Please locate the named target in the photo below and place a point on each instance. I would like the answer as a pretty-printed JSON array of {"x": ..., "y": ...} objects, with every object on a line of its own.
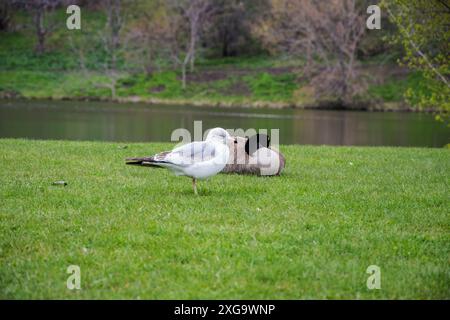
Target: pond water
[{"x": 144, "y": 123}]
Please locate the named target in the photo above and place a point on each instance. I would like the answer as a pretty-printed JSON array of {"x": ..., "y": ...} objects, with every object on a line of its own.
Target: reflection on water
[{"x": 138, "y": 122}]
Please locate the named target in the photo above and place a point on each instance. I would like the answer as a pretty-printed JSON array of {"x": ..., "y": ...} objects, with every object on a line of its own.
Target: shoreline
[{"x": 381, "y": 107}]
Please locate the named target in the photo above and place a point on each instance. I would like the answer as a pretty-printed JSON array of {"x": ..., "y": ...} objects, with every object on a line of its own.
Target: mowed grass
[{"x": 142, "y": 233}]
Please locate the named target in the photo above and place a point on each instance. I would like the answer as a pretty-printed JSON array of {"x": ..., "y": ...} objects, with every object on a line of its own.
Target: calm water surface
[{"x": 139, "y": 122}]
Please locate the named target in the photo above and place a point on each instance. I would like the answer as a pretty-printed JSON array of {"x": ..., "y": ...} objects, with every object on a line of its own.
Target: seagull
[{"x": 198, "y": 160}]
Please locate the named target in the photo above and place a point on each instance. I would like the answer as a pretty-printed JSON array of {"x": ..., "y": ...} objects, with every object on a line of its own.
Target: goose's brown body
[{"x": 242, "y": 163}]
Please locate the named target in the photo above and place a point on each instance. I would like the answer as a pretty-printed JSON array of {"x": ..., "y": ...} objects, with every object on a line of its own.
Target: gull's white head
[{"x": 218, "y": 134}]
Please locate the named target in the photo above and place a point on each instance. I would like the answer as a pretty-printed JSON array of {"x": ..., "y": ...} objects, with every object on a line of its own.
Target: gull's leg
[{"x": 194, "y": 185}]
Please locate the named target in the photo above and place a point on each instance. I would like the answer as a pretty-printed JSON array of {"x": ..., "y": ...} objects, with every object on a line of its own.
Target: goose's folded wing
[{"x": 191, "y": 153}]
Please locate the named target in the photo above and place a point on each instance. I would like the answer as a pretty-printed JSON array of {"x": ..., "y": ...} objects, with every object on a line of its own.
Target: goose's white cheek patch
[{"x": 268, "y": 161}]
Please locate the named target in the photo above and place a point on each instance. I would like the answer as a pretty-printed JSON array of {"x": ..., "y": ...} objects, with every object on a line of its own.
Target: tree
[
  {"x": 229, "y": 30},
  {"x": 104, "y": 49},
  {"x": 424, "y": 31},
  {"x": 113, "y": 46},
  {"x": 40, "y": 10},
  {"x": 186, "y": 19},
  {"x": 326, "y": 35},
  {"x": 5, "y": 14},
  {"x": 147, "y": 35}
]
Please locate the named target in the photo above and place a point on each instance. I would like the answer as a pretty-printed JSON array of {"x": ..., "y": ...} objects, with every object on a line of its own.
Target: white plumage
[{"x": 198, "y": 160}]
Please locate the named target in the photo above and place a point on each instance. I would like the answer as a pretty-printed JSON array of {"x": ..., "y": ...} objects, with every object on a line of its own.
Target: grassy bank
[
  {"x": 141, "y": 233},
  {"x": 241, "y": 81},
  {"x": 234, "y": 87}
]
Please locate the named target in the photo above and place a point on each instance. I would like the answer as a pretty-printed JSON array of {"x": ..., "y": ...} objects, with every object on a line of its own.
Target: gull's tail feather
[
  {"x": 147, "y": 161},
  {"x": 152, "y": 161}
]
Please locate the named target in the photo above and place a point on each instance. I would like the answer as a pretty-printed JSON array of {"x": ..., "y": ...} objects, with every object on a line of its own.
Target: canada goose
[
  {"x": 253, "y": 155},
  {"x": 198, "y": 160}
]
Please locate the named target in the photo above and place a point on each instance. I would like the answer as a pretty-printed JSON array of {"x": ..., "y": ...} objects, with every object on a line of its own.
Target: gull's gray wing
[{"x": 194, "y": 152}]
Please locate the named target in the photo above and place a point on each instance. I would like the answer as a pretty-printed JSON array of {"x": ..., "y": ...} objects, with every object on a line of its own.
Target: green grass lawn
[{"x": 142, "y": 233}]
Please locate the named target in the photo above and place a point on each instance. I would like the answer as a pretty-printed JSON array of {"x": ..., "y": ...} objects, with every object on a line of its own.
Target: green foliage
[
  {"x": 160, "y": 84},
  {"x": 267, "y": 86},
  {"x": 63, "y": 46},
  {"x": 142, "y": 233},
  {"x": 16, "y": 52},
  {"x": 395, "y": 90},
  {"x": 41, "y": 84},
  {"x": 250, "y": 62},
  {"x": 423, "y": 32}
]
